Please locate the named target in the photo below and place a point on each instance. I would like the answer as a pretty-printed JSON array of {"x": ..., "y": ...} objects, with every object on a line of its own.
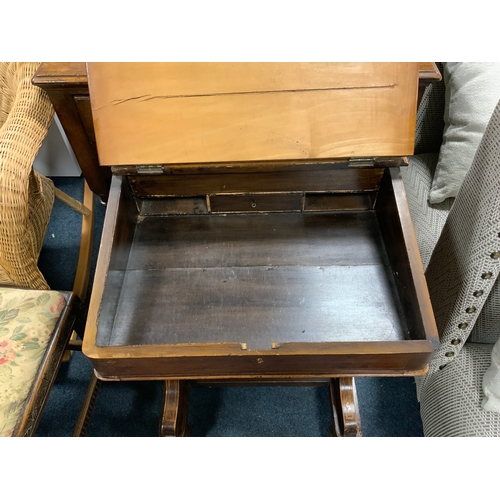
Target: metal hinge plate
[
  {"x": 361, "y": 162},
  {"x": 149, "y": 169}
]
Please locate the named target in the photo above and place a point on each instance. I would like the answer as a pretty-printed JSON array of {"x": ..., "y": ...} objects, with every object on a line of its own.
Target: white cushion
[
  {"x": 491, "y": 382},
  {"x": 472, "y": 92}
]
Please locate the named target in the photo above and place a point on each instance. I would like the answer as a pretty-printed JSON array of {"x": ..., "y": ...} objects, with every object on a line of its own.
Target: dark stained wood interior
[
  {"x": 400, "y": 240},
  {"x": 256, "y": 280},
  {"x": 303, "y": 283},
  {"x": 313, "y": 180}
]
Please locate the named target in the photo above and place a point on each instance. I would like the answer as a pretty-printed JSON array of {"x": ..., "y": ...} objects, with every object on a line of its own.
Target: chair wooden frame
[{"x": 64, "y": 337}]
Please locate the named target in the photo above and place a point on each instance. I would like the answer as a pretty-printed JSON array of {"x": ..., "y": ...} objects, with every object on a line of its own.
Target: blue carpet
[{"x": 388, "y": 406}]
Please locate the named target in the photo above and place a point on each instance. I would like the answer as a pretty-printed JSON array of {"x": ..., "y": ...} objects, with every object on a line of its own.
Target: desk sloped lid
[{"x": 182, "y": 113}]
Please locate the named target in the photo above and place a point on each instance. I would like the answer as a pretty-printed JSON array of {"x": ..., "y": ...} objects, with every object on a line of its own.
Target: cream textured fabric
[
  {"x": 450, "y": 400},
  {"x": 472, "y": 92},
  {"x": 451, "y": 392},
  {"x": 466, "y": 261},
  {"x": 491, "y": 382},
  {"x": 26, "y": 197},
  {"x": 487, "y": 327},
  {"x": 450, "y": 397}
]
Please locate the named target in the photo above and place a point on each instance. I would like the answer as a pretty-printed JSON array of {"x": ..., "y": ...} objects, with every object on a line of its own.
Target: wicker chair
[
  {"x": 35, "y": 323},
  {"x": 26, "y": 197},
  {"x": 459, "y": 241}
]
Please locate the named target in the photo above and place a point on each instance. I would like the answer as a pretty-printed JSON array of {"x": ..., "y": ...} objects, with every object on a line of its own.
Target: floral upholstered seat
[{"x": 28, "y": 320}]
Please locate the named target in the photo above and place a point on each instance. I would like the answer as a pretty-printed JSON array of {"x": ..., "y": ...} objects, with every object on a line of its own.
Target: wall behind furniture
[{"x": 56, "y": 157}]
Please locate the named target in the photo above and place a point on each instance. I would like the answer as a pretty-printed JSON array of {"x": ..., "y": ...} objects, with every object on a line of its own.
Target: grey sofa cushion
[{"x": 472, "y": 93}]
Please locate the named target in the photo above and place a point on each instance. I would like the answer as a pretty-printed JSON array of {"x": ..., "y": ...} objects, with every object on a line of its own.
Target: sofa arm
[{"x": 466, "y": 261}]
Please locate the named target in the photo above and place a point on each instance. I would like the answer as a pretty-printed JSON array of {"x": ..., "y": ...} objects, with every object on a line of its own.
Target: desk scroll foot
[
  {"x": 346, "y": 417},
  {"x": 175, "y": 409}
]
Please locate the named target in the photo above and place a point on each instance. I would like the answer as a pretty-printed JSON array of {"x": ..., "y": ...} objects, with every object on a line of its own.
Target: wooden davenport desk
[{"x": 257, "y": 229}]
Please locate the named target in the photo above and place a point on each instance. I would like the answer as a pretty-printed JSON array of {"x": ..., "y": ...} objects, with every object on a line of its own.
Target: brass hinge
[
  {"x": 361, "y": 162},
  {"x": 149, "y": 169}
]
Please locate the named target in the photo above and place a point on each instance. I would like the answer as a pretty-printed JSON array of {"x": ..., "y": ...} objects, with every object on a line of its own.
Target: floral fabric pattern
[{"x": 27, "y": 320}]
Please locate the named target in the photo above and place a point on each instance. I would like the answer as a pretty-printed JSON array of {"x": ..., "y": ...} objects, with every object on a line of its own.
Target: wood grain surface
[{"x": 147, "y": 113}]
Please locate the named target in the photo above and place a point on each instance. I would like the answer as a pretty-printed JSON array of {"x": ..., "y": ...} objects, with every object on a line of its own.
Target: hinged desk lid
[{"x": 182, "y": 113}]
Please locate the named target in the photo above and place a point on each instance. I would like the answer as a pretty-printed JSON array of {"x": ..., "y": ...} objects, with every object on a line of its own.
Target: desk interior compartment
[{"x": 222, "y": 277}]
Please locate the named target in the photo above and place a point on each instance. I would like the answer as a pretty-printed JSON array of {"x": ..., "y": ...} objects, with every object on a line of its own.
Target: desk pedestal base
[
  {"x": 175, "y": 409},
  {"x": 346, "y": 416}
]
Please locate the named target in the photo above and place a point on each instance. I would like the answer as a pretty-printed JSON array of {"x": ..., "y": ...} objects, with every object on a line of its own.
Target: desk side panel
[
  {"x": 117, "y": 235},
  {"x": 401, "y": 244}
]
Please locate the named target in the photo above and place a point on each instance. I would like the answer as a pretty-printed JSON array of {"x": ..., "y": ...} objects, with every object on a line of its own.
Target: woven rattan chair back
[{"x": 26, "y": 197}]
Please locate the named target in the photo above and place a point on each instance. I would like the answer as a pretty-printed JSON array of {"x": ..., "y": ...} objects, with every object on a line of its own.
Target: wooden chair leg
[
  {"x": 81, "y": 282},
  {"x": 87, "y": 407},
  {"x": 175, "y": 409},
  {"x": 346, "y": 417}
]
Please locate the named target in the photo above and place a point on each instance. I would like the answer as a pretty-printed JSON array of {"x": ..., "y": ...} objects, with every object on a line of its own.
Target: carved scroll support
[
  {"x": 346, "y": 416},
  {"x": 175, "y": 409}
]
